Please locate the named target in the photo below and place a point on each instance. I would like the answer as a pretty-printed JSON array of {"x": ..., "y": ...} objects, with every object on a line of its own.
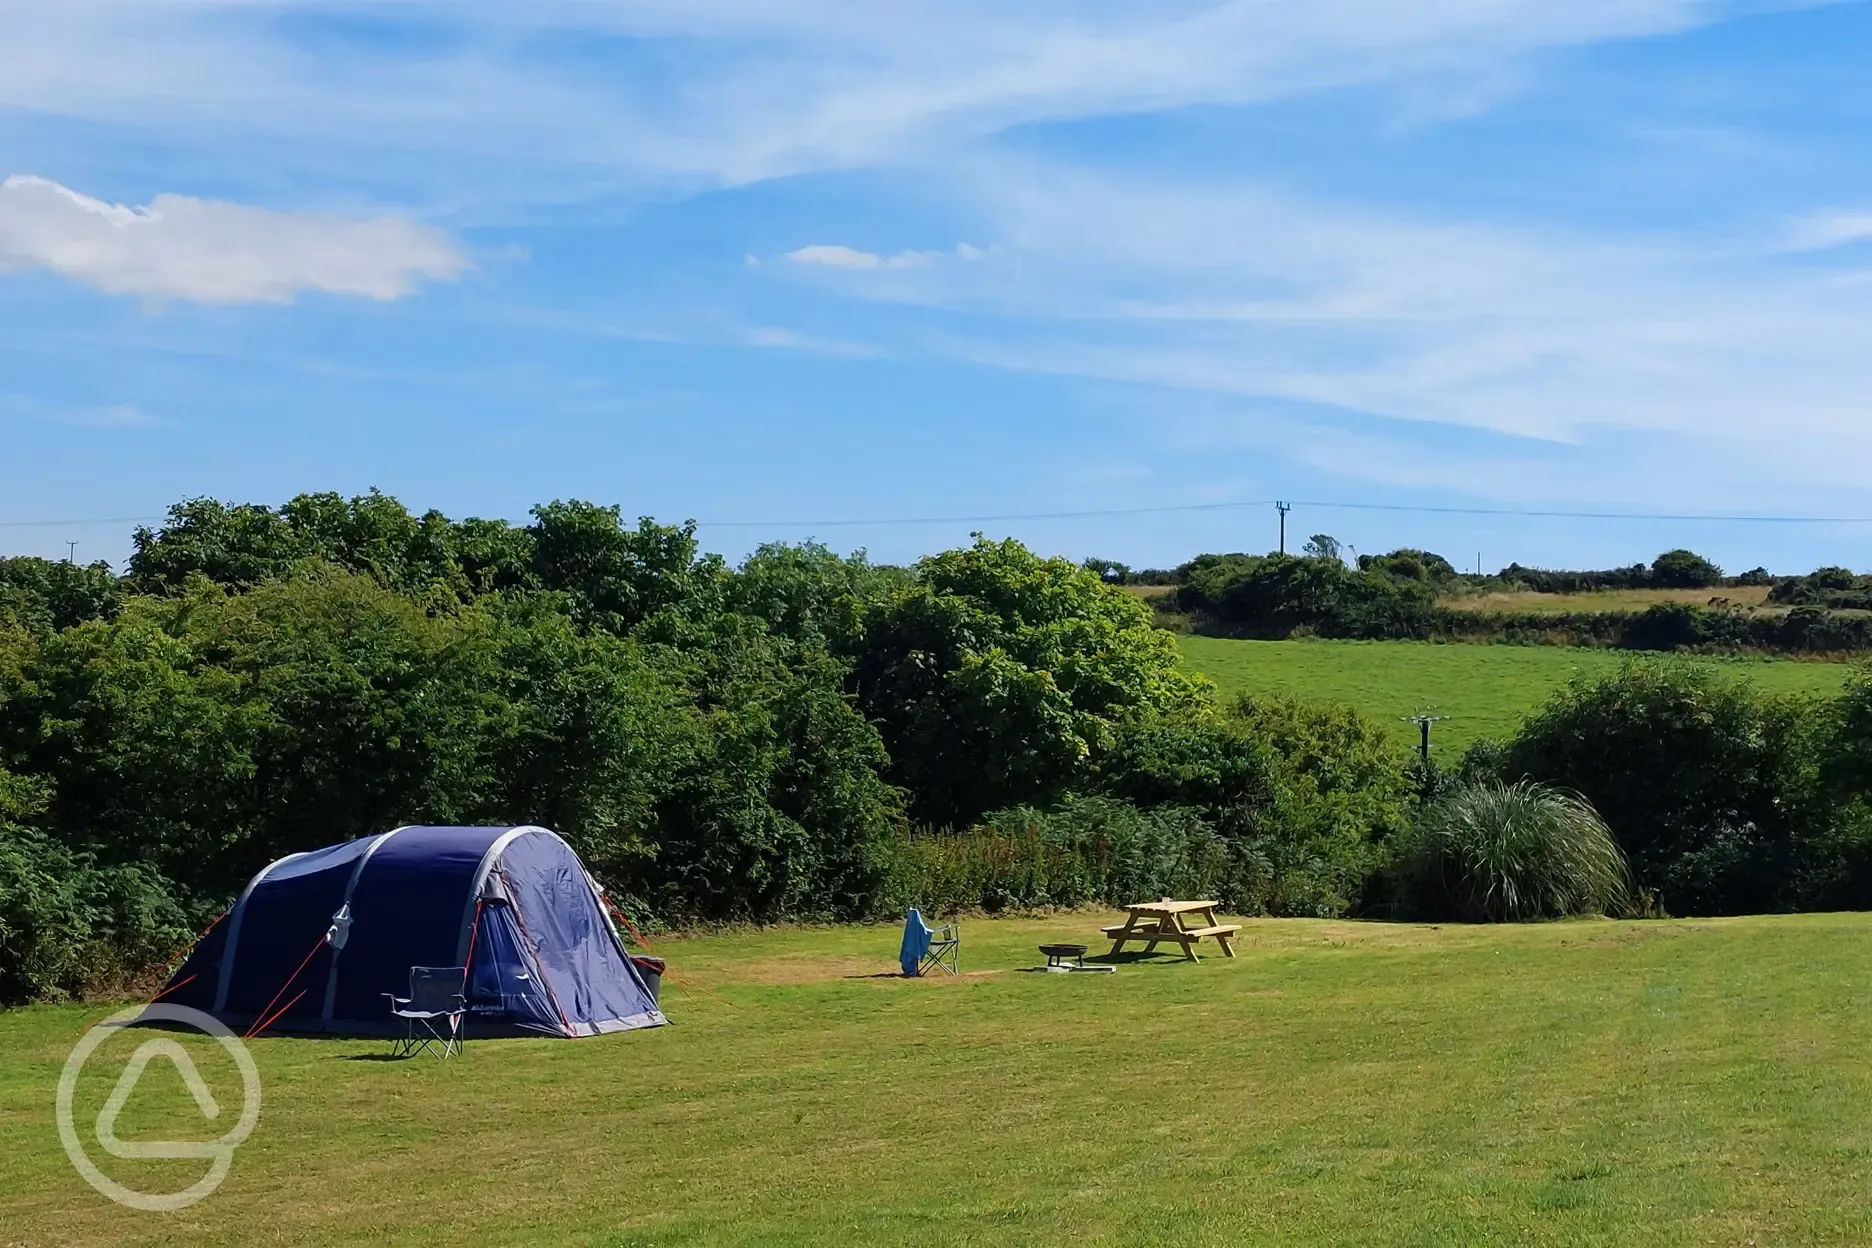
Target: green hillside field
[
  {"x": 1485, "y": 690},
  {"x": 1665, "y": 1083}
]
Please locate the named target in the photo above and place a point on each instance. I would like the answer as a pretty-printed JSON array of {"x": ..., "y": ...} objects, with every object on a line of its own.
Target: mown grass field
[
  {"x": 1664, "y": 1083},
  {"x": 1485, "y": 690}
]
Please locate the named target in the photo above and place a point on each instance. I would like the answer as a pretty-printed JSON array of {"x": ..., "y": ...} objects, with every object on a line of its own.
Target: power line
[
  {"x": 1509, "y": 512},
  {"x": 54, "y": 524},
  {"x": 1162, "y": 509},
  {"x": 1698, "y": 517},
  {"x": 1018, "y": 515}
]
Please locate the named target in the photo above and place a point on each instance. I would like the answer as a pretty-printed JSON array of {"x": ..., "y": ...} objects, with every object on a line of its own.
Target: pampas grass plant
[{"x": 1506, "y": 853}]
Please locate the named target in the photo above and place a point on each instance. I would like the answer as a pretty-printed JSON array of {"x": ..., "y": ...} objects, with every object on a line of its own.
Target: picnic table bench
[{"x": 1163, "y": 922}]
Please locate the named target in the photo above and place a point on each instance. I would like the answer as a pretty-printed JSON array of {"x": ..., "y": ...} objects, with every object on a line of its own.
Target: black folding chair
[{"x": 432, "y": 1013}]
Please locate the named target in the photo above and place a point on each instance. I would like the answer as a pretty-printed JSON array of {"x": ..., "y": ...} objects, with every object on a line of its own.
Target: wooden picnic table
[{"x": 1164, "y": 922}]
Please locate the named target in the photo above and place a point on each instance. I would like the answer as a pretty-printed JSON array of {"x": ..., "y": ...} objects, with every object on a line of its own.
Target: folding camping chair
[
  {"x": 925, "y": 946},
  {"x": 945, "y": 944},
  {"x": 437, "y": 997}
]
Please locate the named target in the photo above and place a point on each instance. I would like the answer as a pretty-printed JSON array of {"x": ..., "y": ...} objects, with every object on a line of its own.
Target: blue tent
[{"x": 319, "y": 937}]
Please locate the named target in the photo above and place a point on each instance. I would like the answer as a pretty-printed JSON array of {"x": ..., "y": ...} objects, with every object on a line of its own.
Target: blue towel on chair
[{"x": 916, "y": 943}]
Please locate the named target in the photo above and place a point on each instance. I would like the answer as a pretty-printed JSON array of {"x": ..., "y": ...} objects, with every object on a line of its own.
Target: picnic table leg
[
  {"x": 1118, "y": 941},
  {"x": 1222, "y": 938},
  {"x": 1189, "y": 946}
]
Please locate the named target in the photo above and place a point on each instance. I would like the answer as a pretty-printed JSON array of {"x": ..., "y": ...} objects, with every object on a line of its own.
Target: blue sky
[{"x": 759, "y": 263}]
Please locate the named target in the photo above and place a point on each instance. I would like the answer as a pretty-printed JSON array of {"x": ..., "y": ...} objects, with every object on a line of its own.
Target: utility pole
[
  {"x": 71, "y": 549},
  {"x": 1423, "y": 723},
  {"x": 1283, "y": 508}
]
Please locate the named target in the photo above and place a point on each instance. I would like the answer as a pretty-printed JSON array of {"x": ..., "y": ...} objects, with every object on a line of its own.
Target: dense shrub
[
  {"x": 1307, "y": 797},
  {"x": 66, "y": 926},
  {"x": 1395, "y": 597},
  {"x": 1674, "y": 569},
  {"x": 777, "y": 806},
  {"x": 1709, "y": 786},
  {"x": 1408, "y": 564},
  {"x": 1503, "y": 853},
  {"x": 1114, "y": 573},
  {"x": 1545, "y": 581},
  {"x": 1271, "y": 807},
  {"x": 1088, "y": 850},
  {"x": 208, "y": 733},
  {"x": 1279, "y": 594},
  {"x": 754, "y": 742},
  {"x": 1402, "y": 596},
  {"x": 1837, "y": 588}
]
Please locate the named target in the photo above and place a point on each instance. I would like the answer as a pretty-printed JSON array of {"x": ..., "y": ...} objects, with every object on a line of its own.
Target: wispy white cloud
[
  {"x": 205, "y": 251},
  {"x": 1232, "y": 288},
  {"x": 750, "y": 88},
  {"x": 839, "y": 256},
  {"x": 816, "y": 344},
  {"x": 95, "y": 416},
  {"x": 1251, "y": 291},
  {"x": 835, "y": 256},
  {"x": 1824, "y": 230}
]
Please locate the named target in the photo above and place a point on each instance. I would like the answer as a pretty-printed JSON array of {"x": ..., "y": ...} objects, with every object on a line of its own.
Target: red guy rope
[
  {"x": 262, "y": 1026},
  {"x": 288, "y": 984}
]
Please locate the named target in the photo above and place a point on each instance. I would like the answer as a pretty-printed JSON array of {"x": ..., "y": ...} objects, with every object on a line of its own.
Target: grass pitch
[
  {"x": 1664, "y": 1083},
  {"x": 1486, "y": 690}
]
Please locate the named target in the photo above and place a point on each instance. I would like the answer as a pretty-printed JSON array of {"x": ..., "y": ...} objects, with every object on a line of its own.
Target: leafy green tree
[
  {"x": 45, "y": 595},
  {"x": 208, "y": 733},
  {"x": 808, "y": 593},
  {"x": 999, "y": 678},
  {"x": 1684, "y": 569},
  {"x": 781, "y": 807},
  {"x": 1322, "y": 546},
  {"x": 621, "y": 579},
  {"x": 245, "y": 545},
  {"x": 239, "y": 545},
  {"x": 490, "y": 556}
]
